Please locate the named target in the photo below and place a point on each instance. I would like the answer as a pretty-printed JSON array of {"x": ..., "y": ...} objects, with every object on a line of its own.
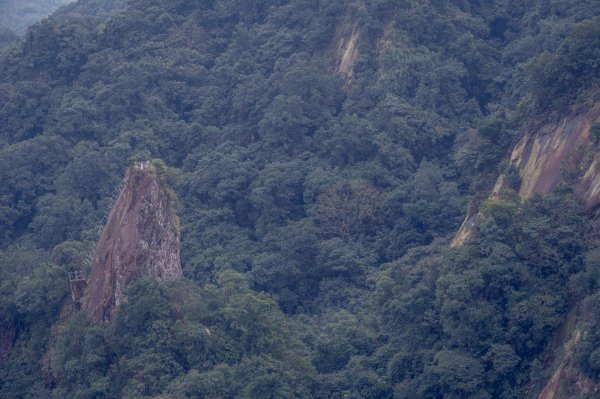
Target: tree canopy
[{"x": 316, "y": 207}]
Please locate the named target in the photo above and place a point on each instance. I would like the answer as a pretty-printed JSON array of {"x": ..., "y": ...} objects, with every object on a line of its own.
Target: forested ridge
[{"x": 316, "y": 207}]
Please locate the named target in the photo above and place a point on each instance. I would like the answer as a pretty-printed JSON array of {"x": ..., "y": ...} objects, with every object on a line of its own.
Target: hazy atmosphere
[{"x": 389, "y": 199}]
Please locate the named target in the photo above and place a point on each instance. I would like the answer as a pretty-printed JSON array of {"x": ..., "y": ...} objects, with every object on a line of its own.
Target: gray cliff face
[{"x": 140, "y": 239}]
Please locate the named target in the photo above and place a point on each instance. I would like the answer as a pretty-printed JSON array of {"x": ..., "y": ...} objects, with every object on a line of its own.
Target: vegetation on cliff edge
[{"x": 315, "y": 210}]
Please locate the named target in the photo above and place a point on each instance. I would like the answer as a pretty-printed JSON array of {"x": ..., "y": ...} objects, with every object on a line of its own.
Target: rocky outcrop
[
  {"x": 467, "y": 228},
  {"x": 557, "y": 152},
  {"x": 343, "y": 50},
  {"x": 347, "y": 51},
  {"x": 140, "y": 239},
  {"x": 548, "y": 156},
  {"x": 567, "y": 380}
]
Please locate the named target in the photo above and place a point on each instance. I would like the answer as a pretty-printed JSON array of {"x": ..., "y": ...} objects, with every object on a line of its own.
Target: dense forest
[{"x": 318, "y": 191}]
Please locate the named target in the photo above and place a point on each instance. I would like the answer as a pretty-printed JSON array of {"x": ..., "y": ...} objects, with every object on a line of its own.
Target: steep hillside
[
  {"x": 546, "y": 156},
  {"x": 327, "y": 151}
]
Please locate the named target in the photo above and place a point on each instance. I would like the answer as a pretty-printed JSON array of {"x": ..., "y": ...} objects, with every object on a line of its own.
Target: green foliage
[
  {"x": 315, "y": 208},
  {"x": 495, "y": 302},
  {"x": 167, "y": 175},
  {"x": 559, "y": 77},
  {"x": 169, "y": 335},
  {"x": 501, "y": 210},
  {"x": 424, "y": 207}
]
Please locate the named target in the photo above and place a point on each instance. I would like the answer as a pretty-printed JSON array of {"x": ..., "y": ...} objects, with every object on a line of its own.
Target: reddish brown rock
[
  {"x": 557, "y": 152},
  {"x": 567, "y": 380},
  {"x": 140, "y": 239}
]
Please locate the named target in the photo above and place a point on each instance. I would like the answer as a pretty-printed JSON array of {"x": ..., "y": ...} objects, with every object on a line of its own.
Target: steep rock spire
[{"x": 140, "y": 239}]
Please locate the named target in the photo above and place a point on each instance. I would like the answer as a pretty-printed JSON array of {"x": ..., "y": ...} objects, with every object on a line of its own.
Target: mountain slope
[{"x": 328, "y": 152}]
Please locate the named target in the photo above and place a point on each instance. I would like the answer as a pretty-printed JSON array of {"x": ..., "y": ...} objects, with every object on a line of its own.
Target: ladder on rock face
[
  {"x": 77, "y": 284},
  {"x": 77, "y": 278},
  {"x": 77, "y": 275}
]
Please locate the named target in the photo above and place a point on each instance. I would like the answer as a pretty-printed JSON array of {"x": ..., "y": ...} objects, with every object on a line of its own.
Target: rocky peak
[{"x": 140, "y": 239}]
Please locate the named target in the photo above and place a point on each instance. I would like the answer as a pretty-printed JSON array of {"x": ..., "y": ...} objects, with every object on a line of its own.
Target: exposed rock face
[
  {"x": 466, "y": 230},
  {"x": 348, "y": 52},
  {"x": 545, "y": 156},
  {"x": 568, "y": 381},
  {"x": 140, "y": 239},
  {"x": 343, "y": 50},
  {"x": 557, "y": 152}
]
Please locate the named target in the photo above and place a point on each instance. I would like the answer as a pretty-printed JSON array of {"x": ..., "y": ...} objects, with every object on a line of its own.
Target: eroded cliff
[
  {"x": 140, "y": 239},
  {"x": 559, "y": 151},
  {"x": 347, "y": 53},
  {"x": 567, "y": 380}
]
